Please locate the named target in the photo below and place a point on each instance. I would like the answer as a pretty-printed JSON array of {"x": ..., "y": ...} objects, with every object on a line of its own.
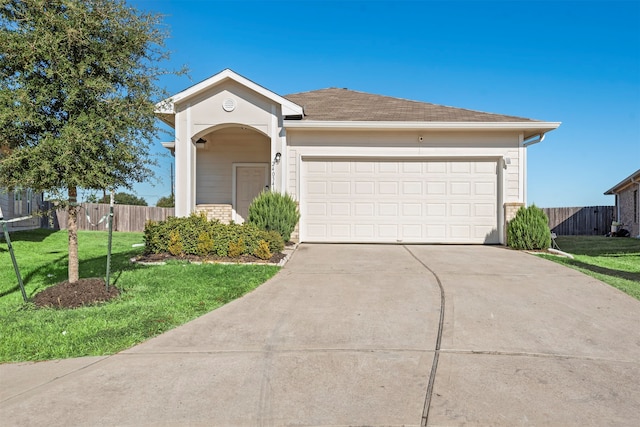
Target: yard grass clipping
[{"x": 153, "y": 299}]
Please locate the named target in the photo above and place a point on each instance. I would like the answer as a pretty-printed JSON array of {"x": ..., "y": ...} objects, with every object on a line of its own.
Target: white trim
[
  {"x": 167, "y": 106},
  {"x": 190, "y": 147},
  {"x": 273, "y": 181},
  {"x": 284, "y": 163},
  {"x": 501, "y": 183},
  {"x": 522, "y": 169},
  {"x": 530, "y": 127},
  {"x": 234, "y": 167}
]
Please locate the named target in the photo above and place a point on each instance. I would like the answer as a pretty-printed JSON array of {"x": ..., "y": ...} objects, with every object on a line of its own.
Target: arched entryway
[{"x": 232, "y": 167}]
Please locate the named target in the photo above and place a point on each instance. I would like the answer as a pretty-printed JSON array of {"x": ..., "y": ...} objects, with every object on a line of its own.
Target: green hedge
[
  {"x": 195, "y": 235},
  {"x": 529, "y": 229}
]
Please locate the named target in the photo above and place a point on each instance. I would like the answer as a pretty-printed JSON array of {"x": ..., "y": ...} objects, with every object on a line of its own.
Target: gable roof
[
  {"x": 165, "y": 109},
  {"x": 344, "y": 109},
  {"x": 344, "y": 104},
  {"x": 634, "y": 178}
]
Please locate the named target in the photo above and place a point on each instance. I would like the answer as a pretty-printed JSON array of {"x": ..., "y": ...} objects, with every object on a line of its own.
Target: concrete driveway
[{"x": 368, "y": 335}]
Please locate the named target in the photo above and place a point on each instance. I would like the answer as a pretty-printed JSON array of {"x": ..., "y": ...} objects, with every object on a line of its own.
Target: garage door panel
[
  {"x": 460, "y": 167},
  {"x": 407, "y": 201},
  {"x": 317, "y": 188},
  {"x": 388, "y": 209},
  {"x": 340, "y": 209},
  {"x": 387, "y": 167},
  {"x": 485, "y": 188},
  {"x": 484, "y": 210},
  {"x": 412, "y": 187},
  {"x": 388, "y": 187},
  {"x": 460, "y": 209},
  {"x": 365, "y": 188},
  {"x": 364, "y": 209},
  {"x": 460, "y": 188}
]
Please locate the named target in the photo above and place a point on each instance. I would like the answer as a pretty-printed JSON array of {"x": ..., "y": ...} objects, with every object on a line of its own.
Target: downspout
[{"x": 533, "y": 140}]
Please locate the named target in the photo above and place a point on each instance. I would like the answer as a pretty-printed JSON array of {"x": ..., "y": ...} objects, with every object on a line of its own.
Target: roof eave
[
  {"x": 634, "y": 178},
  {"x": 529, "y": 128}
]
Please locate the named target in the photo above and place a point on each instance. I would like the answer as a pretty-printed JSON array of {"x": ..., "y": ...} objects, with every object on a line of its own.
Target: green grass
[
  {"x": 153, "y": 299},
  {"x": 613, "y": 260}
]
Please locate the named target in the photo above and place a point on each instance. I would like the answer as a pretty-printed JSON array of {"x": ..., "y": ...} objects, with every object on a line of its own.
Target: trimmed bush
[
  {"x": 263, "y": 251},
  {"x": 194, "y": 235},
  {"x": 274, "y": 211},
  {"x": 175, "y": 243},
  {"x": 205, "y": 244},
  {"x": 236, "y": 248},
  {"x": 529, "y": 229}
]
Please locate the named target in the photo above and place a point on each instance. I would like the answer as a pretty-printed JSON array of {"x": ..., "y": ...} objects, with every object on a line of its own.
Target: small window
[{"x": 635, "y": 206}]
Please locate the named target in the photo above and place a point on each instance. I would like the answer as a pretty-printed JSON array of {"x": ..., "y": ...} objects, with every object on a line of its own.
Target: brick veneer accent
[
  {"x": 295, "y": 235},
  {"x": 510, "y": 210},
  {"x": 628, "y": 213},
  {"x": 222, "y": 213}
]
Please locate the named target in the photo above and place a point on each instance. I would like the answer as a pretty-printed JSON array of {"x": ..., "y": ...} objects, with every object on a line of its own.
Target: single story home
[
  {"x": 20, "y": 204},
  {"x": 627, "y": 201},
  {"x": 363, "y": 167}
]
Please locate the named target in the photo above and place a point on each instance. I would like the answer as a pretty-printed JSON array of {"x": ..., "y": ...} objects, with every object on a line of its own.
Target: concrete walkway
[{"x": 347, "y": 335}]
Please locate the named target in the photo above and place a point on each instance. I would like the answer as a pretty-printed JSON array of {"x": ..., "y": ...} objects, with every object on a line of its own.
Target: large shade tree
[{"x": 78, "y": 82}]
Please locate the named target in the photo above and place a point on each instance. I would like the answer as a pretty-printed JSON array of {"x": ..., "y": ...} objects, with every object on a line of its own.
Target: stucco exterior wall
[
  {"x": 205, "y": 116},
  {"x": 628, "y": 208}
]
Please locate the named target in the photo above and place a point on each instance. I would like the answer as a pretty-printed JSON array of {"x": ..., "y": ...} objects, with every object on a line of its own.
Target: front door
[{"x": 251, "y": 180}]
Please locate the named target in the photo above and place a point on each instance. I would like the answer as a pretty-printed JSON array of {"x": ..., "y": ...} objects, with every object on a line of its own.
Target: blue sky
[{"x": 576, "y": 62}]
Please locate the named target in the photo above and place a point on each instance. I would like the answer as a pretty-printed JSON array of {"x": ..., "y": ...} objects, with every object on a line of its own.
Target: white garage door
[{"x": 399, "y": 201}]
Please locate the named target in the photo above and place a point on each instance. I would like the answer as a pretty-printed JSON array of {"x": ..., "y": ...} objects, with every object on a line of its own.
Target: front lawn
[
  {"x": 613, "y": 260},
  {"x": 153, "y": 299}
]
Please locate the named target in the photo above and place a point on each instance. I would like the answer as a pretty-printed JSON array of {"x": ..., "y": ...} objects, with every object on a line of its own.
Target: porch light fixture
[
  {"x": 201, "y": 141},
  {"x": 277, "y": 158}
]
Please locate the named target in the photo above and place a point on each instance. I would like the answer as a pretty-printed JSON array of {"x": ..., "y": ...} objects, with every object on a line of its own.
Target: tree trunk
[{"x": 72, "y": 228}]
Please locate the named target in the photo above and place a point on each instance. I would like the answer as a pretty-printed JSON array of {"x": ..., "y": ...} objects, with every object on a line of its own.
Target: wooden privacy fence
[
  {"x": 580, "y": 221},
  {"x": 125, "y": 217}
]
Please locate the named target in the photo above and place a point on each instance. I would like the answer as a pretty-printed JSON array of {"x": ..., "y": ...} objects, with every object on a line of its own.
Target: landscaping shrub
[
  {"x": 195, "y": 235},
  {"x": 529, "y": 229},
  {"x": 237, "y": 248},
  {"x": 205, "y": 244},
  {"x": 274, "y": 211},
  {"x": 175, "y": 243},
  {"x": 263, "y": 251}
]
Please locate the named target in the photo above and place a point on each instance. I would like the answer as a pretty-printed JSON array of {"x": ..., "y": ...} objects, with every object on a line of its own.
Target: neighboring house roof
[
  {"x": 634, "y": 178},
  {"x": 344, "y": 104}
]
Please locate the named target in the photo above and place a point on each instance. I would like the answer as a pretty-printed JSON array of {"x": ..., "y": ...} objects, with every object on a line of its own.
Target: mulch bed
[
  {"x": 93, "y": 291},
  {"x": 243, "y": 259},
  {"x": 72, "y": 295}
]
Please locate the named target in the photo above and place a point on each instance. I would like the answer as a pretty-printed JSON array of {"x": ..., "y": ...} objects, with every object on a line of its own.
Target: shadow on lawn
[
  {"x": 56, "y": 270},
  {"x": 606, "y": 271},
  {"x": 599, "y": 246},
  {"x": 35, "y": 235}
]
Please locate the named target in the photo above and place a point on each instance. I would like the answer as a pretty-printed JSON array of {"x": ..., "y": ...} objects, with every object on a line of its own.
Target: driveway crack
[{"x": 436, "y": 355}]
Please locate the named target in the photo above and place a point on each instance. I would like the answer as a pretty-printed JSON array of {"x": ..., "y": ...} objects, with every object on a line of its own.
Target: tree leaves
[{"x": 77, "y": 93}]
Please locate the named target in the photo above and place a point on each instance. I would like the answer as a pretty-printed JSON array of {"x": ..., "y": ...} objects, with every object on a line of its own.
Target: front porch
[{"x": 233, "y": 165}]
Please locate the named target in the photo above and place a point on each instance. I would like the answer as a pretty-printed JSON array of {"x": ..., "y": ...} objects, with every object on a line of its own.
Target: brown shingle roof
[{"x": 349, "y": 105}]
